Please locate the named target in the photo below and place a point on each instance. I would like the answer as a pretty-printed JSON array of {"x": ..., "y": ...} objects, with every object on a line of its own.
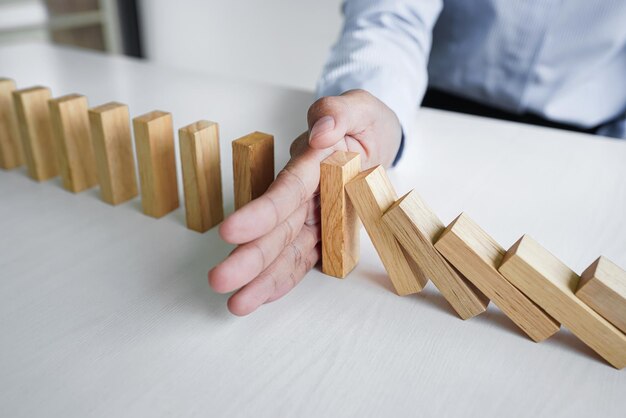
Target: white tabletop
[{"x": 107, "y": 312}]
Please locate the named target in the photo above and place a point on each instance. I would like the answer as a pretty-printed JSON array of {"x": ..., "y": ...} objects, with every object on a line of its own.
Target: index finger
[{"x": 294, "y": 185}]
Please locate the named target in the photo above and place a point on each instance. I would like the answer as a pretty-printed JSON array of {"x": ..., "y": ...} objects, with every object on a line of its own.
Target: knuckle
[
  {"x": 323, "y": 105},
  {"x": 255, "y": 245},
  {"x": 288, "y": 231},
  {"x": 297, "y": 254},
  {"x": 293, "y": 181}
]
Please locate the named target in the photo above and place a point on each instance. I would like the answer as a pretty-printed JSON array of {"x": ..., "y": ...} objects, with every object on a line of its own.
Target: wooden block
[
  {"x": 112, "y": 143},
  {"x": 76, "y": 160},
  {"x": 202, "y": 176},
  {"x": 417, "y": 228},
  {"x": 10, "y": 144},
  {"x": 154, "y": 140},
  {"x": 33, "y": 116},
  {"x": 372, "y": 194},
  {"x": 603, "y": 287},
  {"x": 340, "y": 223},
  {"x": 551, "y": 284},
  {"x": 477, "y": 256},
  {"x": 253, "y": 166}
]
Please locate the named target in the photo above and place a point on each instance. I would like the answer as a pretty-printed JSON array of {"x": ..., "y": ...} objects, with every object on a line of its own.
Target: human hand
[{"x": 278, "y": 233}]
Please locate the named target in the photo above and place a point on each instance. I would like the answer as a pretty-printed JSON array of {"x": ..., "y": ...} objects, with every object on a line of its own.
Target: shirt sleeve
[{"x": 383, "y": 48}]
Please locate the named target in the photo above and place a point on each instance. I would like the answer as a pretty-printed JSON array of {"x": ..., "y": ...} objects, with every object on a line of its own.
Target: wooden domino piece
[
  {"x": 76, "y": 160},
  {"x": 372, "y": 194},
  {"x": 202, "y": 178},
  {"x": 10, "y": 144},
  {"x": 602, "y": 286},
  {"x": 253, "y": 166},
  {"x": 154, "y": 141},
  {"x": 340, "y": 223},
  {"x": 551, "y": 284},
  {"x": 417, "y": 228},
  {"x": 112, "y": 143},
  {"x": 33, "y": 116},
  {"x": 477, "y": 256}
]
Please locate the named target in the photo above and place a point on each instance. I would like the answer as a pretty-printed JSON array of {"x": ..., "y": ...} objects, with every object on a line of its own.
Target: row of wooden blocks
[
  {"x": 89, "y": 147},
  {"x": 529, "y": 284}
]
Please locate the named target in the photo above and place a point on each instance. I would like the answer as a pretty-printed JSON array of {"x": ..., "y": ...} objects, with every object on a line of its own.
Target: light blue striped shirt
[{"x": 564, "y": 60}]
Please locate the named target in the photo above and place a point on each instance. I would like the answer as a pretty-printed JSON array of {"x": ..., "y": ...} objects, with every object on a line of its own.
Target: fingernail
[{"x": 325, "y": 124}]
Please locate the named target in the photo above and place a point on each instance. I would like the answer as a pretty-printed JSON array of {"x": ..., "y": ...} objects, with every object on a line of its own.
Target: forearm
[{"x": 383, "y": 48}]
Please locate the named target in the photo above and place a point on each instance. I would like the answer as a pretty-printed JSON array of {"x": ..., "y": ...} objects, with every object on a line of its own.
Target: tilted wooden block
[
  {"x": 76, "y": 160},
  {"x": 372, "y": 194},
  {"x": 340, "y": 223},
  {"x": 154, "y": 140},
  {"x": 33, "y": 115},
  {"x": 417, "y": 228},
  {"x": 112, "y": 143},
  {"x": 202, "y": 177},
  {"x": 253, "y": 166},
  {"x": 477, "y": 256},
  {"x": 10, "y": 143},
  {"x": 551, "y": 284},
  {"x": 603, "y": 287}
]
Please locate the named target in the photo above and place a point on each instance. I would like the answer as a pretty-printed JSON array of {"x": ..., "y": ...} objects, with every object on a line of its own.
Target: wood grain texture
[
  {"x": 113, "y": 148},
  {"x": 202, "y": 176},
  {"x": 72, "y": 135},
  {"x": 253, "y": 166},
  {"x": 154, "y": 141},
  {"x": 551, "y": 284},
  {"x": 372, "y": 194},
  {"x": 477, "y": 256},
  {"x": 417, "y": 228},
  {"x": 602, "y": 286},
  {"x": 33, "y": 115},
  {"x": 340, "y": 222},
  {"x": 10, "y": 143},
  {"x": 95, "y": 302}
]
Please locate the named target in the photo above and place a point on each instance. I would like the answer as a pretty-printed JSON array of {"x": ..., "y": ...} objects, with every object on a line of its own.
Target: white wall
[{"x": 279, "y": 41}]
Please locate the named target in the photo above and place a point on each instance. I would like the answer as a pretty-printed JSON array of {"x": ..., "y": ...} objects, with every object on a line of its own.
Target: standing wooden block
[
  {"x": 76, "y": 160},
  {"x": 33, "y": 115},
  {"x": 154, "y": 140},
  {"x": 417, "y": 228},
  {"x": 603, "y": 287},
  {"x": 202, "y": 176},
  {"x": 476, "y": 255},
  {"x": 253, "y": 166},
  {"x": 551, "y": 284},
  {"x": 10, "y": 145},
  {"x": 372, "y": 194},
  {"x": 112, "y": 143},
  {"x": 340, "y": 223}
]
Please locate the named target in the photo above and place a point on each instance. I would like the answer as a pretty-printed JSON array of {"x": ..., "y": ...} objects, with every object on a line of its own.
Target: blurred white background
[
  {"x": 284, "y": 42},
  {"x": 279, "y": 41}
]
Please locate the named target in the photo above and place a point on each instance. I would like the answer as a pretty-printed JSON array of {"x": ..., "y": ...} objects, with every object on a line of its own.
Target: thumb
[{"x": 330, "y": 119}]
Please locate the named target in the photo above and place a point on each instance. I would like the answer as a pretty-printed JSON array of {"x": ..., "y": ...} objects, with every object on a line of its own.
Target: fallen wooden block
[
  {"x": 477, "y": 256},
  {"x": 33, "y": 115},
  {"x": 372, "y": 194},
  {"x": 551, "y": 284},
  {"x": 10, "y": 144},
  {"x": 417, "y": 228},
  {"x": 112, "y": 143},
  {"x": 76, "y": 160},
  {"x": 253, "y": 166},
  {"x": 202, "y": 177},
  {"x": 602, "y": 286},
  {"x": 154, "y": 141},
  {"x": 340, "y": 223}
]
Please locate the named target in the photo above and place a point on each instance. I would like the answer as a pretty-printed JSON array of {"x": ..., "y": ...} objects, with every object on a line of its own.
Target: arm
[
  {"x": 383, "y": 49},
  {"x": 382, "y": 52}
]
